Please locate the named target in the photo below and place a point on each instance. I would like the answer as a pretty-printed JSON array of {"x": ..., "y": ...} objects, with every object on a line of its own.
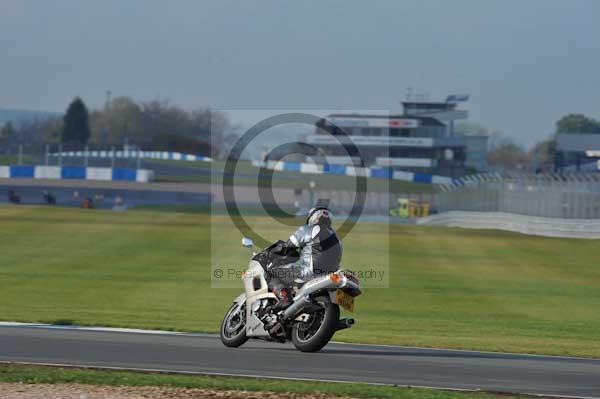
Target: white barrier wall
[
  {"x": 357, "y": 171},
  {"x": 533, "y": 225},
  {"x": 144, "y": 175},
  {"x": 132, "y": 154},
  {"x": 76, "y": 173},
  {"x": 47, "y": 172},
  {"x": 311, "y": 168},
  {"x": 99, "y": 173}
]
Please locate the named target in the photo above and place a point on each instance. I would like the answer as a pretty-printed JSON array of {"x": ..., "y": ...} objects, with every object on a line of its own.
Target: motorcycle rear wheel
[
  {"x": 313, "y": 335},
  {"x": 233, "y": 327}
]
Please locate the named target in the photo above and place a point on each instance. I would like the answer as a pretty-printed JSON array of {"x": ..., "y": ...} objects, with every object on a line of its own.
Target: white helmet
[{"x": 319, "y": 215}]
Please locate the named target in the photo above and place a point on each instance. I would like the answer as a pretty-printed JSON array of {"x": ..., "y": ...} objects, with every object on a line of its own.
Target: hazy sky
[{"x": 524, "y": 62}]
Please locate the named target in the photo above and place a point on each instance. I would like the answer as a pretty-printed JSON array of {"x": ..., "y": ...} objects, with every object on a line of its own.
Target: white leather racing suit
[{"x": 320, "y": 253}]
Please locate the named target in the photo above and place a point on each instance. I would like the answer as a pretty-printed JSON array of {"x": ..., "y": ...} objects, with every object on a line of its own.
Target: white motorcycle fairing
[{"x": 257, "y": 289}]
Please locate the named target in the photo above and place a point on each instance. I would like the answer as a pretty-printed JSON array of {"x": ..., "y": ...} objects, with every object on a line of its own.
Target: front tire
[
  {"x": 318, "y": 330},
  {"x": 233, "y": 327}
]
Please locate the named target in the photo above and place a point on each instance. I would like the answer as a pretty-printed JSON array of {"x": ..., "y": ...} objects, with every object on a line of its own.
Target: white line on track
[{"x": 100, "y": 329}]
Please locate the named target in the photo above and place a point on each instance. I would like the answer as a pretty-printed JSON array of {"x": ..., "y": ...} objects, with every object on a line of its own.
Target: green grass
[
  {"x": 448, "y": 287},
  {"x": 246, "y": 174},
  {"x": 14, "y": 160},
  {"x": 51, "y": 375}
]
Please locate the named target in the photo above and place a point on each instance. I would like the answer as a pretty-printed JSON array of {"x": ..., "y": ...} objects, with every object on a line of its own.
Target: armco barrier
[
  {"x": 26, "y": 172},
  {"x": 76, "y": 173},
  {"x": 533, "y": 225},
  {"x": 104, "y": 174},
  {"x": 144, "y": 175},
  {"x": 73, "y": 172},
  {"x": 5, "y": 172},
  {"x": 120, "y": 174},
  {"x": 131, "y": 154},
  {"x": 348, "y": 170},
  {"x": 47, "y": 172}
]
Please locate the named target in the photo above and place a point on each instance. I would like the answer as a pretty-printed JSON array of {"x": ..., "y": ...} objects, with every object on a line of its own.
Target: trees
[
  {"x": 155, "y": 125},
  {"x": 119, "y": 122},
  {"x": 543, "y": 154},
  {"x": 577, "y": 123},
  {"x": 506, "y": 154},
  {"x": 160, "y": 125},
  {"x": 76, "y": 126},
  {"x": 7, "y": 132}
]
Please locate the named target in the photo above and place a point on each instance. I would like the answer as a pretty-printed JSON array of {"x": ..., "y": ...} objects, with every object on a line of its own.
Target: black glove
[{"x": 279, "y": 248}]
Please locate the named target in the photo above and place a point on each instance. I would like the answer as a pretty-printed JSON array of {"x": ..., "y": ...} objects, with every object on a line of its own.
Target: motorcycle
[
  {"x": 13, "y": 197},
  {"x": 49, "y": 199},
  {"x": 310, "y": 321}
]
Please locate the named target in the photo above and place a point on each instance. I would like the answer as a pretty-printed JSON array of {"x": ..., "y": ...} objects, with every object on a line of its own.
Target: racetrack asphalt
[{"x": 204, "y": 353}]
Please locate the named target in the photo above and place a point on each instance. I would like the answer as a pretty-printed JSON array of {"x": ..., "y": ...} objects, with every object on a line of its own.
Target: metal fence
[
  {"x": 574, "y": 195},
  {"x": 568, "y": 196},
  {"x": 375, "y": 202}
]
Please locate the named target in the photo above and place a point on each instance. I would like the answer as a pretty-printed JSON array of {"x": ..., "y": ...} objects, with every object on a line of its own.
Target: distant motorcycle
[
  {"x": 309, "y": 322},
  {"x": 13, "y": 197},
  {"x": 87, "y": 203},
  {"x": 49, "y": 199}
]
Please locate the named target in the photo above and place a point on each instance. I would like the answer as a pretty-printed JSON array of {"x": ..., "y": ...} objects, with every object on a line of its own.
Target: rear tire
[
  {"x": 233, "y": 327},
  {"x": 317, "y": 332}
]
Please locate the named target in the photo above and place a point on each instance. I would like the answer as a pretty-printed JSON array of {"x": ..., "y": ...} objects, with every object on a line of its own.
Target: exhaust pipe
[
  {"x": 344, "y": 323},
  {"x": 296, "y": 307}
]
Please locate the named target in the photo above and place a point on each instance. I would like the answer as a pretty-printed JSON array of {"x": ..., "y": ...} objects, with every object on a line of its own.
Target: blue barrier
[
  {"x": 73, "y": 172},
  {"x": 22, "y": 172},
  {"x": 422, "y": 178},
  {"x": 123, "y": 174},
  {"x": 291, "y": 166},
  {"x": 383, "y": 173},
  {"x": 335, "y": 169}
]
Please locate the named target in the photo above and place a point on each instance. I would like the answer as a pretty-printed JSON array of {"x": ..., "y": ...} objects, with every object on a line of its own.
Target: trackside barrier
[
  {"x": 99, "y": 173},
  {"x": 131, "y": 154},
  {"x": 120, "y": 174},
  {"x": 76, "y": 173},
  {"x": 346, "y": 170},
  {"x": 22, "y": 172},
  {"x": 47, "y": 172},
  {"x": 144, "y": 175},
  {"x": 70, "y": 172},
  {"x": 533, "y": 225},
  {"x": 549, "y": 195}
]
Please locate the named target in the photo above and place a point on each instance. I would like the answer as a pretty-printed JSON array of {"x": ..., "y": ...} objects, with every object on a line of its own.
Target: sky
[{"x": 525, "y": 63}]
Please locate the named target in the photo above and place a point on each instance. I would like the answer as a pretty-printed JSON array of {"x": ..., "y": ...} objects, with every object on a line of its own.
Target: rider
[{"x": 320, "y": 253}]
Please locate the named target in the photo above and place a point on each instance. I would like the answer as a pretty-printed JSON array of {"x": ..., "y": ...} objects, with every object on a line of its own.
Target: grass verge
[
  {"x": 246, "y": 174},
  {"x": 57, "y": 375},
  {"x": 448, "y": 287}
]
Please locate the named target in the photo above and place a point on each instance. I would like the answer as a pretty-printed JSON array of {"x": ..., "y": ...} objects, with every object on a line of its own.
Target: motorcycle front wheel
[
  {"x": 316, "y": 332},
  {"x": 233, "y": 328}
]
